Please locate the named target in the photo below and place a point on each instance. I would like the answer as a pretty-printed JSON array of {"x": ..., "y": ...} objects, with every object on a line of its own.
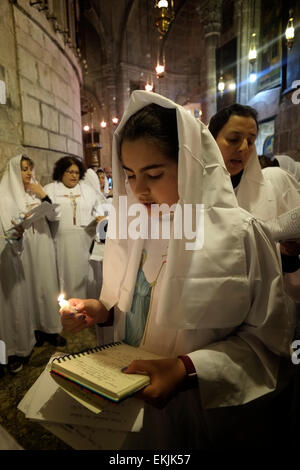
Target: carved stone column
[
  {"x": 243, "y": 11},
  {"x": 110, "y": 95},
  {"x": 212, "y": 26}
]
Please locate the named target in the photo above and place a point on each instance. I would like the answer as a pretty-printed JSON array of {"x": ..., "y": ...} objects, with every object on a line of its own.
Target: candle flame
[{"x": 63, "y": 302}]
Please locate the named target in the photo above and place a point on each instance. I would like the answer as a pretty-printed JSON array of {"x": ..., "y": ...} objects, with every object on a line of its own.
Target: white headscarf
[
  {"x": 267, "y": 193},
  {"x": 13, "y": 197},
  {"x": 92, "y": 179},
  {"x": 196, "y": 284},
  {"x": 105, "y": 191},
  {"x": 289, "y": 164},
  {"x": 254, "y": 193}
]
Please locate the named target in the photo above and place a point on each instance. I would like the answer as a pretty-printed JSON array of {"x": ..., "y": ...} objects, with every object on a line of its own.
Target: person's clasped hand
[
  {"x": 166, "y": 376},
  {"x": 81, "y": 314},
  {"x": 36, "y": 189},
  {"x": 18, "y": 230}
]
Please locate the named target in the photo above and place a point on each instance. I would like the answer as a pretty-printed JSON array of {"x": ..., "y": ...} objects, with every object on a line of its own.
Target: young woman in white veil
[
  {"x": 20, "y": 192},
  {"x": 215, "y": 308}
]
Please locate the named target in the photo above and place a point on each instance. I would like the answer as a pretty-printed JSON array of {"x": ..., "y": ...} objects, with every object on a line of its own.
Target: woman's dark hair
[
  {"x": 266, "y": 161},
  {"x": 156, "y": 124},
  {"x": 28, "y": 160},
  {"x": 63, "y": 164},
  {"x": 219, "y": 119},
  {"x": 100, "y": 170}
]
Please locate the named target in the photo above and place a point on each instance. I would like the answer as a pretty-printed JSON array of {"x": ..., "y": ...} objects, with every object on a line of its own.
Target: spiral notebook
[{"x": 99, "y": 370}]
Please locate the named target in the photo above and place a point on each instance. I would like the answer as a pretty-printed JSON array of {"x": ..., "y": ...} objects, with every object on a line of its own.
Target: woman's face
[
  {"x": 236, "y": 140},
  {"x": 71, "y": 176},
  {"x": 101, "y": 180},
  {"x": 26, "y": 172},
  {"x": 152, "y": 176}
]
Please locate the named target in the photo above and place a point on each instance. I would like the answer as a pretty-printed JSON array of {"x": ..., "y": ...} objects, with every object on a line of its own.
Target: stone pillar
[
  {"x": 109, "y": 88},
  {"x": 110, "y": 94},
  {"x": 243, "y": 14},
  {"x": 212, "y": 26}
]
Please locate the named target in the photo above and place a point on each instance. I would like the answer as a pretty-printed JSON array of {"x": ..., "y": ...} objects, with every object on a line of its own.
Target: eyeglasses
[{"x": 72, "y": 172}]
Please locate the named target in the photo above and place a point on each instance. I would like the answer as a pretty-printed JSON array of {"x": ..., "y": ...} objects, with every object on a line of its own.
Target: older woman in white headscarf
[
  {"x": 266, "y": 193},
  {"x": 20, "y": 193},
  {"x": 215, "y": 307}
]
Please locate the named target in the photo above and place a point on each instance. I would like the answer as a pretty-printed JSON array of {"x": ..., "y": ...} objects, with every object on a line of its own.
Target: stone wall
[
  {"x": 10, "y": 108},
  {"x": 43, "y": 79}
]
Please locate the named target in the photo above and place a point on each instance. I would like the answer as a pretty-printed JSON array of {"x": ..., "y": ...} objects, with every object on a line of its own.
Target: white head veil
[
  {"x": 205, "y": 288},
  {"x": 259, "y": 191},
  {"x": 92, "y": 179},
  {"x": 289, "y": 164},
  {"x": 12, "y": 192},
  {"x": 254, "y": 193}
]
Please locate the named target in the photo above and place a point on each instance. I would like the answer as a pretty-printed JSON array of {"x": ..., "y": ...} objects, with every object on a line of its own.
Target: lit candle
[{"x": 63, "y": 302}]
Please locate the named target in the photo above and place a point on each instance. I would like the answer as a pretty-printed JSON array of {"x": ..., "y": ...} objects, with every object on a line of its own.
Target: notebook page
[
  {"x": 85, "y": 438},
  {"x": 45, "y": 401}
]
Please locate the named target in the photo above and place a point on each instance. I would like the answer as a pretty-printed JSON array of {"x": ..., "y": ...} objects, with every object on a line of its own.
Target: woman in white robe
[
  {"x": 266, "y": 193},
  {"x": 76, "y": 227},
  {"x": 92, "y": 179},
  {"x": 20, "y": 193},
  {"x": 215, "y": 304},
  {"x": 96, "y": 252},
  {"x": 104, "y": 185}
]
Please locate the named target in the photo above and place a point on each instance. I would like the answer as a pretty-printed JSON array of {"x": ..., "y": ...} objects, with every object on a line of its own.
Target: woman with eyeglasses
[{"x": 75, "y": 229}]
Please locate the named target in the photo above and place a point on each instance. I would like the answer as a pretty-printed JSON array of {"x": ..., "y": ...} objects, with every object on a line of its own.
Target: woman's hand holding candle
[
  {"x": 82, "y": 313},
  {"x": 63, "y": 303}
]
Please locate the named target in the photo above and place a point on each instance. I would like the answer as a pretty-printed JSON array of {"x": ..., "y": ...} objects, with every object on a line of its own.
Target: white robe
[
  {"x": 39, "y": 261},
  {"x": 267, "y": 194},
  {"x": 15, "y": 318},
  {"x": 74, "y": 235},
  {"x": 223, "y": 305}
]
